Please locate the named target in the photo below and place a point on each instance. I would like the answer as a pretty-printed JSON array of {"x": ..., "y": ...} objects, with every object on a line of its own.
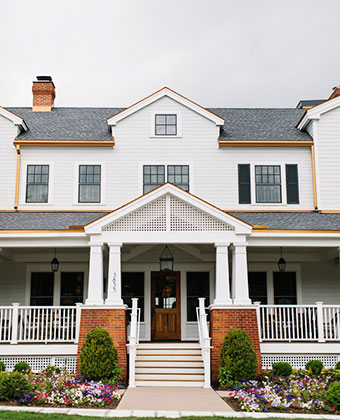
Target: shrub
[
  {"x": 22, "y": 367},
  {"x": 224, "y": 377},
  {"x": 238, "y": 355},
  {"x": 2, "y": 366},
  {"x": 98, "y": 357},
  {"x": 13, "y": 385},
  {"x": 315, "y": 366},
  {"x": 282, "y": 369},
  {"x": 332, "y": 395},
  {"x": 50, "y": 370},
  {"x": 337, "y": 366}
]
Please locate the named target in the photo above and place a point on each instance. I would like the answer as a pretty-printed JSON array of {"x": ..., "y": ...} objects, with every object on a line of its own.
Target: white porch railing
[
  {"x": 317, "y": 322},
  {"x": 203, "y": 333},
  {"x": 39, "y": 324},
  {"x": 133, "y": 341}
]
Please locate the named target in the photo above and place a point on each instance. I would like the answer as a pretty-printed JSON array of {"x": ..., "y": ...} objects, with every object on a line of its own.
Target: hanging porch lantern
[
  {"x": 282, "y": 263},
  {"x": 55, "y": 263},
  {"x": 166, "y": 260}
]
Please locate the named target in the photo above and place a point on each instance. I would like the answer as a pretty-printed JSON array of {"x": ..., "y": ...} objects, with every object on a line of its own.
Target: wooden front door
[{"x": 165, "y": 306}]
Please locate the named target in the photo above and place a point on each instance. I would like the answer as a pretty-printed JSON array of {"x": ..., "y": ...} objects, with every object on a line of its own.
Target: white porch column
[
  {"x": 222, "y": 288},
  {"x": 114, "y": 286},
  {"x": 240, "y": 291},
  {"x": 95, "y": 283}
]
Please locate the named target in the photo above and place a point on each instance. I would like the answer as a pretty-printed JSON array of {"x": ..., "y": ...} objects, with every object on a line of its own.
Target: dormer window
[{"x": 165, "y": 124}]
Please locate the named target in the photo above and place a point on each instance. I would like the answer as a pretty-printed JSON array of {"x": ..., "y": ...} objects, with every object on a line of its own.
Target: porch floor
[{"x": 172, "y": 398}]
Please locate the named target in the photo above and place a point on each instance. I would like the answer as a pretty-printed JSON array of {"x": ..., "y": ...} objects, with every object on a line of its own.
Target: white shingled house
[{"x": 169, "y": 224}]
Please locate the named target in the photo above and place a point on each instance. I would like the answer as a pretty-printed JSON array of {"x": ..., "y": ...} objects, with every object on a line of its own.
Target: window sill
[
  {"x": 35, "y": 204},
  {"x": 269, "y": 204},
  {"x": 89, "y": 204},
  {"x": 165, "y": 137}
]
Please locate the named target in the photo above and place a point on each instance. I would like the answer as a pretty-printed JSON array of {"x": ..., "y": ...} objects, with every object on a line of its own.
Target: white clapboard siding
[
  {"x": 213, "y": 170},
  {"x": 328, "y": 144}
]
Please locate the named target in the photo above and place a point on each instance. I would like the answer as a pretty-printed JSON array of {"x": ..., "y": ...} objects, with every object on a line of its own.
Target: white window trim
[
  {"x": 271, "y": 268},
  {"x": 102, "y": 184},
  {"x": 50, "y": 184},
  {"x": 166, "y": 164},
  {"x": 283, "y": 183},
  {"x": 46, "y": 267},
  {"x": 153, "y": 122}
]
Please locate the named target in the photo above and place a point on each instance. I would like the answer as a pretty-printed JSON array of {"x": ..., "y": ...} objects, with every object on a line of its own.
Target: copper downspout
[{"x": 17, "y": 177}]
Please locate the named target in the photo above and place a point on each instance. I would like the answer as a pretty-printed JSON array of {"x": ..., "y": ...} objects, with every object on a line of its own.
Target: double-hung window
[
  {"x": 89, "y": 183},
  {"x": 156, "y": 175},
  {"x": 37, "y": 184},
  {"x": 268, "y": 183},
  {"x": 165, "y": 124}
]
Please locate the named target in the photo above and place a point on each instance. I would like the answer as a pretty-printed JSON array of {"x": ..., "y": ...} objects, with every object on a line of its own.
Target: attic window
[{"x": 165, "y": 124}]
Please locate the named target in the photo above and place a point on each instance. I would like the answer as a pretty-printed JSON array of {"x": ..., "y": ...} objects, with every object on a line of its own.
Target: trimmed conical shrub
[
  {"x": 98, "y": 357},
  {"x": 238, "y": 355}
]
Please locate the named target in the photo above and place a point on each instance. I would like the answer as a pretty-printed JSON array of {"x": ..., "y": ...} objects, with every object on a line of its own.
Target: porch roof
[
  {"x": 292, "y": 220},
  {"x": 63, "y": 220}
]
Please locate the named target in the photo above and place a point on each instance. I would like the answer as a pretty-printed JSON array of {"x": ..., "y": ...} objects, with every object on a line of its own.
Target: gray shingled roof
[
  {"x": 90, "y": 123},
  {"x": 62, "y": 220},
  {"x": 290, "y": 220},
  {"x": 45, "y": 220}
]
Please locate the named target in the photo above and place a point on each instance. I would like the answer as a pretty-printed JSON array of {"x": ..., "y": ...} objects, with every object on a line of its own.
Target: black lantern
[
  {"x": 282, "y": 263},
  {"x": 166, "y": 260},
  {"x": 54, "y": 263}
]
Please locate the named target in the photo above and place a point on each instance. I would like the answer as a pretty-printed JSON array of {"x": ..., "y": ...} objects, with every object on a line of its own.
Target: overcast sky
[{"x": 223, "y": 53}]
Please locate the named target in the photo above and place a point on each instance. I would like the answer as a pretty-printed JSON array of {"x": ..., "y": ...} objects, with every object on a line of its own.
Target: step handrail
[
  {"x": 204, "y": 339},
  {"x": 133, "y": 341}
]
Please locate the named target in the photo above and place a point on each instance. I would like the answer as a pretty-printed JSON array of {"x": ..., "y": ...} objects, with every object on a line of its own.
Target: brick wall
[
  {"x": 224, "y": 320},
  {"x": 113, "y": 321}
]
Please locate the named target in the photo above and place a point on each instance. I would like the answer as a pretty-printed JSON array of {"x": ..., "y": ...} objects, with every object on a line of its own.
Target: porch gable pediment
[{"x": 167, "y": 209}]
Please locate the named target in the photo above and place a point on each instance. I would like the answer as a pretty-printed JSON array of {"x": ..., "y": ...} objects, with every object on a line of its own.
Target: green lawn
[{"x": 16, "y": 415}]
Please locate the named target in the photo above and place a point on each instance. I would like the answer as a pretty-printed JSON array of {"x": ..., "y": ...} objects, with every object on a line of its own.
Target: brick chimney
[
  {"x": 335, "y": 93},
  {"x": 43, "y": 94}
]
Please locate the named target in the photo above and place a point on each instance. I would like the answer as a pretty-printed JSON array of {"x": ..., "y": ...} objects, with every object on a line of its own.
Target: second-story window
[
  {"x": 153, "y": 177},
  {"x": 166, "y": 125},
  {"x": 37, "y": 184},
  {"x": 156, "y": 175},
  {"x": 89, "y": 183},
  {"x": 268, "y": 183},
  {"x": 179, "y": 175}
]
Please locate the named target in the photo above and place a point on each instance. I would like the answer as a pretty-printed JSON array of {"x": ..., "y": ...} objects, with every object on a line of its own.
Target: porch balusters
[
  {"x": 95, "y": 288},
  {"x": 114, "y": 288},
  {"x": 240, "y": 291},
  {"x": 15, "y": 319},
  {"x": 222, "y": 287}
]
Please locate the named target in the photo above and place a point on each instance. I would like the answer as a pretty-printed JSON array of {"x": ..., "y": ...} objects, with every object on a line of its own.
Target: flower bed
[
  {"x": 60, "y": 388},
  {"x": 301, "y": 391}
]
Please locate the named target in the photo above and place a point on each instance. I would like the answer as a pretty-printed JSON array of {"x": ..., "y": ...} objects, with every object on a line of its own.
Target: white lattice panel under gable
[
  {"x": 184, "y": 217},
  {"x": 168, "y": 213},
  {"x": 151, "y": 217}
]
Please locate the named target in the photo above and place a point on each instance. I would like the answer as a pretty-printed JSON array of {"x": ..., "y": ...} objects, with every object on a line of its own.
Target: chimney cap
[{"x": 44, "y": 78}]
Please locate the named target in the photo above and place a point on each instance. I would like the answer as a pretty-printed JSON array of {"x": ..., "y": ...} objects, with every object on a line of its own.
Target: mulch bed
[
  {"x": 112, "y": 405},
  {"x": 236, "y": 406}
]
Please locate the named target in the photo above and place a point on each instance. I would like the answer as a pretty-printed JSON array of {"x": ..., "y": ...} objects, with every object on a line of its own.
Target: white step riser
[
  {"x": 189, "y": 352},
  {"x": 170, "y": 383},
  {"x": 168, "y": 358},
  {"x": 169, "y": 345},
  {"x": 170, "y": 370},
  {"x": 173, "y": 364},
  {"x": 156, "y": 377}
]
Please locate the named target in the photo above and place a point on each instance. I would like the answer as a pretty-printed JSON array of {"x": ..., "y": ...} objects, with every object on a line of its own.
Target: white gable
[
  {"x": 168, "y": 209},
  {"x": 168, "y": 213},
  {"x": 160, "y": 94}
]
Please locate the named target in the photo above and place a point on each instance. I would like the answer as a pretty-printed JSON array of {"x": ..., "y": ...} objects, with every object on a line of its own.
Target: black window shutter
[
  {"x": 244, "y": 184},
  {"x": 292, "y": 184}
]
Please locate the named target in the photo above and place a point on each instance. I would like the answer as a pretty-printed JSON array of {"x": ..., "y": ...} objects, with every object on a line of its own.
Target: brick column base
[
  {"x": 224, "y": 320},
  {"x": 111, "y": 320}
]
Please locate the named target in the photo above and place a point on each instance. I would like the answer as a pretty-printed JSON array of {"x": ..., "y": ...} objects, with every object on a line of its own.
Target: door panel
[{"x": 165, "y": 306}]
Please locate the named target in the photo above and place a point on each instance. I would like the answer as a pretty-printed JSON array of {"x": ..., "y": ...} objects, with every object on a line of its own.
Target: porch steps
[{"x": 169, "y": 364}]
